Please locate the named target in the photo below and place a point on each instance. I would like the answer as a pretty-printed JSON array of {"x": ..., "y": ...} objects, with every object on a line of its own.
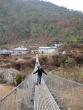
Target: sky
[{"x": 71, "y": 4}]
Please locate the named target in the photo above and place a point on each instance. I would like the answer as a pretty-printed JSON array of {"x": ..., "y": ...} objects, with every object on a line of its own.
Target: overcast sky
[{"x": 72, "y": 4}]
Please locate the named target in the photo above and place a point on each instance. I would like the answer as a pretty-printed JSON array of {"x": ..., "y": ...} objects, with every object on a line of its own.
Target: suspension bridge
[{"x": 49, "y": 95}]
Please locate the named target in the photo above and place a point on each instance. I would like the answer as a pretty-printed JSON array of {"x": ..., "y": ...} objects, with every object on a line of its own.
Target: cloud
[{"x": 72, "y": 4}]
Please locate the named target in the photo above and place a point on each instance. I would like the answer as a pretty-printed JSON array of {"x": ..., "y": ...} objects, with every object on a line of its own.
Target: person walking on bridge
[{"x": 39, "y": 72}]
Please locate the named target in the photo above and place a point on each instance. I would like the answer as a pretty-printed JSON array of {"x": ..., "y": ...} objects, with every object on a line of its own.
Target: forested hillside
[{"x": 29, "y": 19}]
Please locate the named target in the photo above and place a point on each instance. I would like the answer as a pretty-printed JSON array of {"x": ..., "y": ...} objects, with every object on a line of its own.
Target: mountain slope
[{"x": 31, "y": 19}]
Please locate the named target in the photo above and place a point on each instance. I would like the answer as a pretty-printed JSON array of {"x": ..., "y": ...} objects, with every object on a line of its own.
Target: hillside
[{"x": 38, "y": 21}]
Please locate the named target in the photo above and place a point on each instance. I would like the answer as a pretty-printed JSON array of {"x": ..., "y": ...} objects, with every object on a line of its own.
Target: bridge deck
[{"x": 43, "y": 100}]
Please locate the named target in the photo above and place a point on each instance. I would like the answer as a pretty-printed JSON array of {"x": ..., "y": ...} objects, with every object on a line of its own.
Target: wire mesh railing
[
  {"x": 21, "y": 98},
  {"x": 43, "y": 100},
  {"x": 68, "y": 94}
]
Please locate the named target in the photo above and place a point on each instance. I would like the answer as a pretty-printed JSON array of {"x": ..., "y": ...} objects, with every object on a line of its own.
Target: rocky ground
[{"x": 8, "y": 75}]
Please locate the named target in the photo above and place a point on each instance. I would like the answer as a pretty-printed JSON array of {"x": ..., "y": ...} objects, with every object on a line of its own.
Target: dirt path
[{"x": 5, "y": 89}]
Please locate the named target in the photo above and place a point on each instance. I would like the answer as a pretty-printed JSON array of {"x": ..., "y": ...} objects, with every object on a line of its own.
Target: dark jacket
[{"x": 40, "y": 71}]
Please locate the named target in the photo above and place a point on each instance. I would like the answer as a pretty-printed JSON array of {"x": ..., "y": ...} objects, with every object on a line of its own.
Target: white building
[
  {"x": 20, "y": 50},
  {"x": 5, "y": 52},
  {"x": 57, "y": 45},
  {"x": 47, "y": 50}
]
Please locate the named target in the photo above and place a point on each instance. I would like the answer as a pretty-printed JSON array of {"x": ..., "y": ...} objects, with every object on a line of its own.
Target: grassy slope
[{"x": 5, "y": 89}]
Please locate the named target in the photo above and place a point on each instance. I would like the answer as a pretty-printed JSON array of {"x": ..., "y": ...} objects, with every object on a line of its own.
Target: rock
[{"x": 8, "y": 75}]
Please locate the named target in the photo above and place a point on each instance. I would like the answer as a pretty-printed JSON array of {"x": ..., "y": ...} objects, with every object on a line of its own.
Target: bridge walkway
[{"x": 43, "y": 100}]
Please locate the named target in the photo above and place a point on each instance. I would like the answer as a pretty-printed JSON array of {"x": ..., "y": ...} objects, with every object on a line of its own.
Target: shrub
[
  {"x": 70, "y": 62},
  {"x": 61, "y": 60},
  {"x": 43, "y": 60},
  {"x": 18, "y": 79},
  {"x": 30, "y": 63},
  {"x": 50, "y": 60},
  {"x": 66, "y": 61}
]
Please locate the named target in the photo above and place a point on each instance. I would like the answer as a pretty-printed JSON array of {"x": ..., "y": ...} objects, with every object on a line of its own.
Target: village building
[
  {"x": 47, "y": 50},
  {"x": 19, "y": 50},
  {"x": 57, "y": 45},
  {"x": 5, "y": 52}
]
